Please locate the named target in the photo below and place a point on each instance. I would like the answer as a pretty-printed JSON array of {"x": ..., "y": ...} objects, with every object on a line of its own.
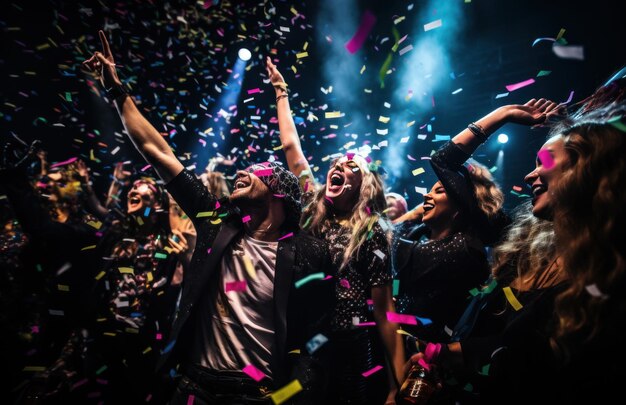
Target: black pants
[{"x": 218, "y": 387}]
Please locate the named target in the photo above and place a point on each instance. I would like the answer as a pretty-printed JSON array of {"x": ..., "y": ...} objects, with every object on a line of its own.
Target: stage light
[
  {"x": 244, "y": 54},
  {"x": 503, "y": 138}
]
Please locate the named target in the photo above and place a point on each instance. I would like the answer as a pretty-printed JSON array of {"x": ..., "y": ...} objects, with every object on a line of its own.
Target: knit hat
[{"x": 283, "y": 184}]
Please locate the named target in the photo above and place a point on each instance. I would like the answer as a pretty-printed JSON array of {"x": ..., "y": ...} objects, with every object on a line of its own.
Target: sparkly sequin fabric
[{"x": 366, "y": 270}]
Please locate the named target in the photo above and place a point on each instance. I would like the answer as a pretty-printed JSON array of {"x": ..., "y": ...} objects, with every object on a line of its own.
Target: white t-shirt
[{"x": 237, "y": 327}]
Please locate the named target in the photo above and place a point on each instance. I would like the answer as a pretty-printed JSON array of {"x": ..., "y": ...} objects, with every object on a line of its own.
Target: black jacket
[{"x": 300, "y": 313}]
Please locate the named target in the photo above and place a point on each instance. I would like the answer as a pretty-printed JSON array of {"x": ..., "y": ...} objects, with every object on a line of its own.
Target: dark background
[{"x": 174, "y": 55}]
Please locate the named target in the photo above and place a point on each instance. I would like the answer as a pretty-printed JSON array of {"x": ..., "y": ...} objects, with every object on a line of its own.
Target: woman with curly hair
[
  {"x": 590, "y": 224},
  {"x": 347, "y": 213}
]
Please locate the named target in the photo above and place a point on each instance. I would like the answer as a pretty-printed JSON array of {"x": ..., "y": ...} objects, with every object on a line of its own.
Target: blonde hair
[
  {"x": 488, "y": 195},
  {"x": 365, "y": 213},
  {"x": 527, "y": 250}
]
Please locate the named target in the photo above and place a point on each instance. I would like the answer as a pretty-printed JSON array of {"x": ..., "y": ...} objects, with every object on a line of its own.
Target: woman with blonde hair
[{"x": 347, "y": 213}]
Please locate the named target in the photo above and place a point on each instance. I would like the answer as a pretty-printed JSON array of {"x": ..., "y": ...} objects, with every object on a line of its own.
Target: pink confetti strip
[
  {"x": 217, "y": 205},
  {"x": 367, "y": 324},
  {"x": 254, "y": 373},
  {"x": 279, "y": 195},
  {"x": 546, "y": 159},
  {"x": 65, "y": 162},
  {"x": 289, "y": 235},
  {"x": 515, "y": 86},
  {"x": 245, "y": 219},
  {"x": 401, "y": 318},
  {"x": 263, "y": 172},
  {"x": 190, "y": 399},
  {"x": 367, "y": 23},
  {"x": 253, "y": 91},
  {"x": 372, "y": 371},
  {"x": 146, "y": 168},
  {"x": 236, "y": 286},
  {"x": 344, "y": 283}
]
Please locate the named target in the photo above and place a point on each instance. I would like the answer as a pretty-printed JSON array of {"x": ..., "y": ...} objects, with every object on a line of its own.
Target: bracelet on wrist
[
  {"x": 281, "y": 85},
  {"x": 116, "y": 91},
  {"x": 281, "y": 96},
  {"x": 478, "y": 131}
]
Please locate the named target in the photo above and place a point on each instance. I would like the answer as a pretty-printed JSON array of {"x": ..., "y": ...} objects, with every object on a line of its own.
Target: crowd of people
[{"x": 181, "y": 288}]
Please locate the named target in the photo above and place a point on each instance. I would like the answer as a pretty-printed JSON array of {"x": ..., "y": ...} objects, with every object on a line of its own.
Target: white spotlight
[
  {"x": 503, "y": 138},
  {"x": 244, "y": 54}
]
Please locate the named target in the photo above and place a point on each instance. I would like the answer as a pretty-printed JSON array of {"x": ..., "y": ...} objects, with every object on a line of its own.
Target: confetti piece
[
  {"x": 617, "y": 123},
  {"x": 511, "y": 298},
  {"x": 575, "y": 52},
  {"x": 253, "y": 372},
  {"x": 332, "y": 114},
  {"x": 380, "y": 254},
  {"x": 253, "y": 91},
  {"x": 315, "y": 343},
  {"x": 289, "y": 235},
  {"x": 421, "y": 190},
  {"x": 65, "y": 162},
  {"x": 371, "y": 371},
  {"x": 302, "y": 55},
  {"x": 501, "y": 95},
  {"x": 89, "y": 247},
  {"x": 245, "y": 219},
  {"x": 424, "y": 321},
  {"x": 405, "y": 49},
  {"x": 594, "y": 291},
  {"x": 263, "y": 172},
  {"x": 310, "y": 277},
  {"x": 236, "y": 286},
  {"x": 205, "y": 214},
  {"x": 543, "y": 73},
  {"x": 457, "y": 91},
  {"x": 417, "y": 171},
  {"x": 536, "y": 41},
  {"x": 286, "y": 392},
  {"x": 190, "y": 399},
  {"x": 249, "y": 267},
  {"x": 367, "y": 23},
  {"x": 401, "y": 318},
  {"x": 546, "y": 159},
  {"x": 432, "y": 25},
  {"x": 515, "y": 86},
  {"x": 344, "y": 283}
]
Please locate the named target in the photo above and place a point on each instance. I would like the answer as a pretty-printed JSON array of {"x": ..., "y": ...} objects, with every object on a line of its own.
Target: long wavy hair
[
  {"x": 488, "y": 197},
  {"x": 590, "y": 223},
  {"x": 366, "y": 212},
  {"x": 488, "y": 194},
  {"x": 527, "y": 250}
]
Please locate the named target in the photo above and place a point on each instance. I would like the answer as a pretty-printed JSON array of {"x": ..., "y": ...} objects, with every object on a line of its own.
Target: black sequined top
[{"x": 369, "y": 268}]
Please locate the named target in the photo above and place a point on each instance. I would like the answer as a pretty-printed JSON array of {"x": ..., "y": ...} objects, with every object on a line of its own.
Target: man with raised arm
[{"x": 254, "y": 294}]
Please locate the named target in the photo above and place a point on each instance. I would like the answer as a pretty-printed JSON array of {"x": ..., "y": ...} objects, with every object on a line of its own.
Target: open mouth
[
  {"x": 337, "y": 179},
  {"x": 538, "y": 189},
  {"x": 134, "y": 200},
  {"x": 242, "y": 182},
  {"x": 428, "y": 206}
]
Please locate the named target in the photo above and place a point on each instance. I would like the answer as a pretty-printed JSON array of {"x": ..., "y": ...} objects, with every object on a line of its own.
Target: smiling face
[
  {"x": 550, "y": 163},
  {"x": 343, "y": 183},
  {"x": 439, "y": 210},
  {"x": 140, "y": 197},
  {"x": 248, "y": 187}
]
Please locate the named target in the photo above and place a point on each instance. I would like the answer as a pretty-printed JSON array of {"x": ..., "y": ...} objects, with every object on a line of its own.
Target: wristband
[
  {"x": 116, "y": 91},
  {"x": 281, "y": 96},
  {"x": 478, "y": 131}
]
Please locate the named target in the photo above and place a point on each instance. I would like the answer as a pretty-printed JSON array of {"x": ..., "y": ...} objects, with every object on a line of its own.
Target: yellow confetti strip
[
  {"x": 217, "y": 221},
  {"x": 126, "y": 270},
  {"x": 100, "y": 275},
  {"x": 249, "y": 266},
  {"x": 302, "y": 55},
  {"x": 62, "y": 287},
  {"x": 295, "y": 351},
  {"x": 332, "y": 114},
  {"x": 362, "y": 69},
  {"x": 89, "y": 247},
  {"x": 384, "y": 120},
  {"x": 34, "y": 368},
  {"x": 417, "y": 171},
  {"x": 278, "y": 147},
  {"x": 205, "y": 214},
  {"x": 149, "y": 276},
  {"x": 286, "y": 392},
  {"x": 95, "y": 224},
  {"x": 512, "y": 299}
]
